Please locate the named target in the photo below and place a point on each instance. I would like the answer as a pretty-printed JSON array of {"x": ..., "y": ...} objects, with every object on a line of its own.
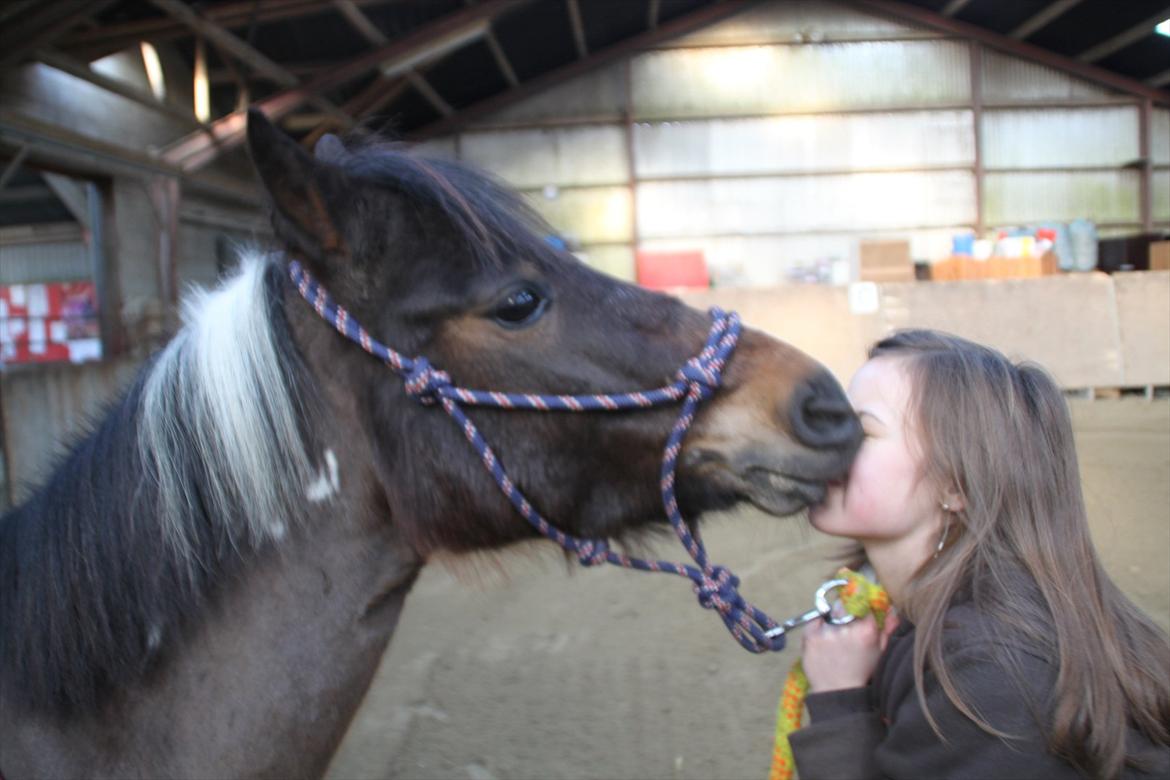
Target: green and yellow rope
[{"x": 859, "y": 598}]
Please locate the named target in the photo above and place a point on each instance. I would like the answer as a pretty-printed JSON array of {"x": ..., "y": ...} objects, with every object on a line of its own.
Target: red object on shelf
[{"x": 672, "y": 270}]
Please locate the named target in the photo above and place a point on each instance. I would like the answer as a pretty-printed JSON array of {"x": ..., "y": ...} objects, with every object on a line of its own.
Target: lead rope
[
  {"x": 859, "y": 597},
  {"x": 716, "y": 587}
]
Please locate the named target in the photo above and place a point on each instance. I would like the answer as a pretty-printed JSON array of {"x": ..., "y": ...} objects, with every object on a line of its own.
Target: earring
[
  {"x": 946, "y": 507},
  {"x": 942, "y": 539}
]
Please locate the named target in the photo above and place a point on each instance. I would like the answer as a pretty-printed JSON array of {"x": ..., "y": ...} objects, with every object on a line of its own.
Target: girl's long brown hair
[{"x": 1001, "y": 434}]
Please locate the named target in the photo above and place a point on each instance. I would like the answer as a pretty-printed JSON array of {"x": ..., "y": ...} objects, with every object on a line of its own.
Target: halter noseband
[{"x": 716, "y": 587}]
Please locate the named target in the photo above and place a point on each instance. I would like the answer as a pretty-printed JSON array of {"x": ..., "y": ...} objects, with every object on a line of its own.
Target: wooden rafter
[
  {"x": 501, "y": 58},
  {"x": 1118, "y": 42},
  {"x": 80, "y": 70},
  {"x": 195, "y": 151},
  {"x": 681, "y": 25},
  {"x": 1016, "y": 48},
  {"x": 1044, "y": 17},
  {"x": 953, "y": 7},
  {"x": 91, "y": 44},
  {"x": 578, "y": 28},
  {"x": 43, "y": 27},
  {"x": 243, "y": 52}
]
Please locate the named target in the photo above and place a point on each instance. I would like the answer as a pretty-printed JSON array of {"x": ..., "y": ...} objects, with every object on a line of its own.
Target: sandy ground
[{"x": 615, "y": 674}]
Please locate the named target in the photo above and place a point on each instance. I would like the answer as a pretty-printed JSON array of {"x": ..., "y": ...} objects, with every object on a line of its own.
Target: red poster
[{"x": 51, "y": 322}]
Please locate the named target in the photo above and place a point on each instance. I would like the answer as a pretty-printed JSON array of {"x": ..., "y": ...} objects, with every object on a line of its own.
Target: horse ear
[{"x": 297, "y": 185}]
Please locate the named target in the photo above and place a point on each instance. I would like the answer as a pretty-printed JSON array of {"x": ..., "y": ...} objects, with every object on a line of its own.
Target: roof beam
[
  {"x": 95, "y": 43},
  {"x": 13, "y": 166},
  {"x": 578, "y": 28},
  {"x": 42, "y": 28},
  {"x": 1159, "y": 79},
  {"x": 370, "y": 100},
  {"x": 501, "y": 59},
  {"x": 994, "y": 40},
  {"x": 954, "y": 7},
  {"x": 195, "y": 151},
  {"x": 1124, "y": 38},
  {"x": 681, "y": 25},
  {"x": 360, "y": 22},
  {"x": 424, "y": 88},
  {"x": 243, "y": 52},
  {"x": 1044, "y": 17},
  {"x": 59, "y": 148},
  {"x": 80, "y": 70}
]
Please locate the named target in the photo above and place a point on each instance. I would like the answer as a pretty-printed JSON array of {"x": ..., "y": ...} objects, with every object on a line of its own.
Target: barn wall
[{"x": 785, "y": 135}]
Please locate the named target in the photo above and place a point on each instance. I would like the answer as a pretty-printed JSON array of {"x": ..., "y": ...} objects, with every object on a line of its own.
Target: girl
[{"x": 1013, "y": 654}]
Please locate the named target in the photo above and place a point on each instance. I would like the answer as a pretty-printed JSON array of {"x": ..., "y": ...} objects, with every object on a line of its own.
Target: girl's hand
[{"x": 840, "y": 657}]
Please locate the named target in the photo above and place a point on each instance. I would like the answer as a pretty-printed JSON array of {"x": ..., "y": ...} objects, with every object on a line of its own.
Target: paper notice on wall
[
  {"x": 81, "y": 350},
  {"x": 16, "y": 292},
  {"x": 863, "y": 297},
  {"x": 36, "y": 330},
  {"x": 58, "y": 333},
  {"x": 38, "y": 300}
]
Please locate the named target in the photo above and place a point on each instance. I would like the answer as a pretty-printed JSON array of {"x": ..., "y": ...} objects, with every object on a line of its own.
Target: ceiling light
[{"x": 1163, "y": 27}]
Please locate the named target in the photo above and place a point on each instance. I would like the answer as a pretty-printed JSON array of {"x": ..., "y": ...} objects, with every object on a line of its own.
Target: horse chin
[
  {"x": 781, "y": 494},
  {"x": 769, "y": 484}
]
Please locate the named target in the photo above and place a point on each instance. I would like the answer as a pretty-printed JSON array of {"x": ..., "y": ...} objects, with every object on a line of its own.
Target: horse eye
[{"x": 522, "y": 307}]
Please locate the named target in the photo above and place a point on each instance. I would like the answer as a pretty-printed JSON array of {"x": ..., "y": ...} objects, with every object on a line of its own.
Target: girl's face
[{"x": 886, "y": 497}]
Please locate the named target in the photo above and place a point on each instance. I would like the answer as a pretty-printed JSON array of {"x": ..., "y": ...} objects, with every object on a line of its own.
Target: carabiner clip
[{"x": 821, "y": 609}]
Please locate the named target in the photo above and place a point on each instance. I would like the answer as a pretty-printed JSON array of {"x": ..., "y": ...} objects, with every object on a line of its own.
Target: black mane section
[
  {"x": 493, "y": 219},
  {"x": 91, "y": 593}
]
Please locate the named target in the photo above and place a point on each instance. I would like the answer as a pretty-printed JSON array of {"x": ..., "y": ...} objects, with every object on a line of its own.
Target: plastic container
[{"x": 1083, "y": 241}]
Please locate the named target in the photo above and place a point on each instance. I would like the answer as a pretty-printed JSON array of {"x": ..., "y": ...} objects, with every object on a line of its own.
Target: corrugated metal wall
[{"x": 785, "y": 135}]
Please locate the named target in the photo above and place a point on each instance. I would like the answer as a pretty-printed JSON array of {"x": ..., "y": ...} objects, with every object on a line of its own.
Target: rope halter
[{"x": 698, "y": 379}]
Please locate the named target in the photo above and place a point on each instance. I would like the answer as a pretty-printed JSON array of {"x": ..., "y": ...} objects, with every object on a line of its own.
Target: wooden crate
[{"x": 965, "y": 268}]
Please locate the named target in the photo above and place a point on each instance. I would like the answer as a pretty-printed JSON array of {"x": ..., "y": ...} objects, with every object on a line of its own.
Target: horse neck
[{"x": 267, "y": 679}]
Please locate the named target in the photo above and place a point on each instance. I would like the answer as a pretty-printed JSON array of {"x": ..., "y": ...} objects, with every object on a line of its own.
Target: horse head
[{"x": 439, "y": 260}]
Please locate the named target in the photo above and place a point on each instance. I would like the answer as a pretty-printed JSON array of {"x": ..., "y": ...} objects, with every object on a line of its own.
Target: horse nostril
[{"x": 821, "y": 414}]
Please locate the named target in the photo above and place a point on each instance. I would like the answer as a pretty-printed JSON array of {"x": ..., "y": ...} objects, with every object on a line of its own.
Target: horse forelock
[{"x": 220, "y": 405}]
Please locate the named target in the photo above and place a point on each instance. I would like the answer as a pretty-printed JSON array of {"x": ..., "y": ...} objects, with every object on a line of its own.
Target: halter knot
[
  {"x": 703, "y": 376},
  {"x": 424, "y": 382},
  {"x": 719, "y": 590},
  {"x": 592, "y": 552}
]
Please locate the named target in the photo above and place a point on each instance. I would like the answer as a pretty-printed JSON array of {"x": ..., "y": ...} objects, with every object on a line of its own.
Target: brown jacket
[{"x": 881, "y": 731}]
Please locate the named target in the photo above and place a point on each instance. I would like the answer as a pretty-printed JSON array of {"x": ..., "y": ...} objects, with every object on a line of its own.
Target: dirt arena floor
[{"x": 614, "y": 674}]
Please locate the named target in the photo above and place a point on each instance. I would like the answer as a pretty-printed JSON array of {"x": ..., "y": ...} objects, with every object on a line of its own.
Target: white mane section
[{"x": 217, "y": 402}]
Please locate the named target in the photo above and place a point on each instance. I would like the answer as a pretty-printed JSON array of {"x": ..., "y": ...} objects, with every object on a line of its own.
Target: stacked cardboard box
[{"x": 886, "y": 261}]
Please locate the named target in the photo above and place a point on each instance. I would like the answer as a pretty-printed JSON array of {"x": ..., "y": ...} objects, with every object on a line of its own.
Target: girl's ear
[
  {"x": 300, "y": 189},
  {"x": 952, "y": 499}
]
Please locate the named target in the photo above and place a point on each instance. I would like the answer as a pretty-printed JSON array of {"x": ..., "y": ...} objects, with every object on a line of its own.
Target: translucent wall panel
[
  {"x": 593, "y": 154},
  {"x": 613, "y": 259},
  {"x": 1014, "y": 198},
  {"x": 1160, "y": 136},
  {"x": 741, "y": 80},
  {"x": 863, "y": 201},
  {"x": 795, "y": 21},
  {"x": 1036, "y": 138},
  {"x": 1008, "y": 78},
  {"x": 1160, "y": 195},
  {"x": 594, "y": 215},
  {"x": 49, "y": 261},
  {"x": 601, "y": 93},
  {"x": 803, "y": 143}
]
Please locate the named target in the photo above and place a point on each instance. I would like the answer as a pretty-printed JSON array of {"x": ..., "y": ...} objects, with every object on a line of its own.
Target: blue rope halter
[{"x": 716, "y": 587}]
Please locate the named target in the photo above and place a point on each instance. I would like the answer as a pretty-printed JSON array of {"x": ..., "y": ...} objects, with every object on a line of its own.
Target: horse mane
[
  {"x": 490, "y": 217},
  {"x": 204, "y": 460}
]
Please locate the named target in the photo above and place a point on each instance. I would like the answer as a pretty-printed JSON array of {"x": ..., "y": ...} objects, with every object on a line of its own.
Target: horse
[{"x": 204, "y": 585}]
